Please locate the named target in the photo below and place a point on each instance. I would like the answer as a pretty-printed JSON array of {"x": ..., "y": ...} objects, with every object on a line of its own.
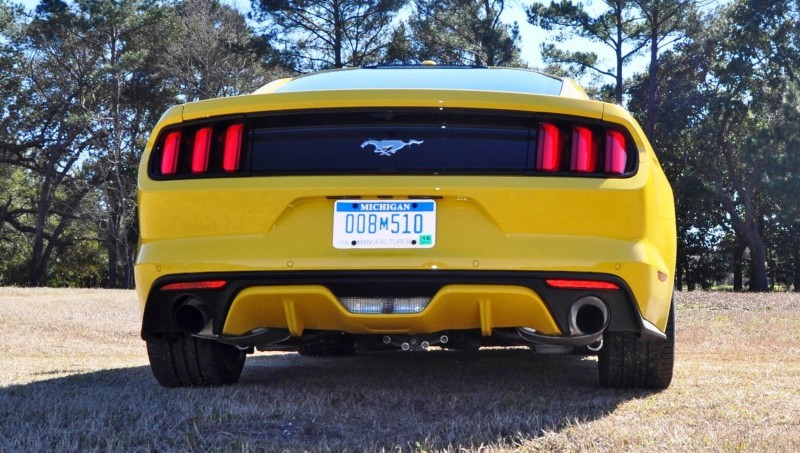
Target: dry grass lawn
[{"x": 74, "y": 376}]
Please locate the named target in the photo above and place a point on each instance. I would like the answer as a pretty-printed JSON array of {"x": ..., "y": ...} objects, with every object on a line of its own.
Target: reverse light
[
  {"x": 385, "y": 305},
  {"x": 205, "y": 284},
  {"x": 169, "y": 156},
  {"x": 581, "y": 284}
]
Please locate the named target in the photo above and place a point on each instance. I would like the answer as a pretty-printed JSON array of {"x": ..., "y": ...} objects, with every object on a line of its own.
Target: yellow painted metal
[
  {"x": 445, "y": 99},
  {"x": 454, "y": 307},
  {"x": 623, "y": 227}
]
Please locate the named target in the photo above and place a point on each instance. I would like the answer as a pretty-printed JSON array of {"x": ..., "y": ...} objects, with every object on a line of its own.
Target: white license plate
[{"x": 384, "y": 224}]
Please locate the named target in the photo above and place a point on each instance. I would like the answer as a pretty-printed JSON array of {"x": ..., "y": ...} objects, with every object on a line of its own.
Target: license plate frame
[{"x": 384, "y": 224}]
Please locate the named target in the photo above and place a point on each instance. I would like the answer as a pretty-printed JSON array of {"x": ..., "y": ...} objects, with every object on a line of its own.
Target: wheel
[
  {"x": 625, "y": 361},
  {"x": 186, "y": 361},
  {"x": 328, "y": 349}
]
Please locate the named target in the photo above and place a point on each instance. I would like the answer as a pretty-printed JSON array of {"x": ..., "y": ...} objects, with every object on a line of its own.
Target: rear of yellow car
[{"x": 399, "y": 209}]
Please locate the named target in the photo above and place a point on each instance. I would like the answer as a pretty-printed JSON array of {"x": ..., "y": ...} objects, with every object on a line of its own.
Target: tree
[
  {"x": 129, "y": 95},
  {"x": 87, "y": 98},
  {"x": 618, "y": 27},
  {"x": 49, "y": 120},
  {"x": 666, "y": 23},
  {"x": 464, "y": 32},
  {"x": 754, "y": 59},
  {"x": 783, "y": 181},
  {"x": 330, "y": 33},
  {"x": 215, "y": 53},
  {"x": 740, "y": 68}
]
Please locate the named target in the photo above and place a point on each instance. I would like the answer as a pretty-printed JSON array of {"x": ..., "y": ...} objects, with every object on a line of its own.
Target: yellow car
[{"x": 401, "y": 208}]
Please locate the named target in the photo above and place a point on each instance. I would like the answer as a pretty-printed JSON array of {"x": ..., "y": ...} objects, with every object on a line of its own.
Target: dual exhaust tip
[
  {"x": 588, "y": 316},
  {"x": 192, "y": 316},
  {"x": 588, "y": 319}
]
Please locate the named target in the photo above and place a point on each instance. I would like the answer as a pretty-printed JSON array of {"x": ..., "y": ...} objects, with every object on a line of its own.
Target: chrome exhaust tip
[
  {"x": 596, "y": 346},
  {"x": 588, "y": 316}
]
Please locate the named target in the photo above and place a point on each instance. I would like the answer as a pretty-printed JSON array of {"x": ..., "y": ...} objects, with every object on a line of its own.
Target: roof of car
[{"x": 477, "y": 78}]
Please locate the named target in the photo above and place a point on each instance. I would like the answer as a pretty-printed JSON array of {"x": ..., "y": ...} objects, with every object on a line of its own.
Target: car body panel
[
  {"x": 454, "y": 307},
  {"x": 623, "y": 227}
]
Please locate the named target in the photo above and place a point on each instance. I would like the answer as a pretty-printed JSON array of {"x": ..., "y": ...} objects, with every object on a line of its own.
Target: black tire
[
  {"x": 625, "y": 361},
  {"x": 186, "y": 361},
  {"x": 328, "y": 349}
]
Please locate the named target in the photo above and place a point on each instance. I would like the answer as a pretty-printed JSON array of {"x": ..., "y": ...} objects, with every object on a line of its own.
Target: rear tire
[
  {"x": 186, "y": 361},
  {"x": 625, "y": 361}
]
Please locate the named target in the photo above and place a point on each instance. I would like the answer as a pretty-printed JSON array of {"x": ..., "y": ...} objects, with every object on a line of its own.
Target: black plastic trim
[
  {"x": 259, "y": 120},
  {"x": 159, "y": 310}
]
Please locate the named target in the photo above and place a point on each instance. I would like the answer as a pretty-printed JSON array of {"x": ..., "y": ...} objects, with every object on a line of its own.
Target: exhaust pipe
[
  {"x": 596, "y": 346},
  {"x": 588, "y": 316},
  {"x": 588, "y": 319},
  {"x": 192, "y": 316}
]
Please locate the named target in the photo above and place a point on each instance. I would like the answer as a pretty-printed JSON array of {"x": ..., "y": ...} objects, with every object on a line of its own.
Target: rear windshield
[{"x": 429, "y": 77}]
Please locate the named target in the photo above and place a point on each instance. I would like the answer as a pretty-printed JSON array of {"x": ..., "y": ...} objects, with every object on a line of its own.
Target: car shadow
[{"x": 410, "y": 401}]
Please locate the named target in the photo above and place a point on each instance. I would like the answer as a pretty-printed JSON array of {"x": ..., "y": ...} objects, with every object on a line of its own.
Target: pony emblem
[{"x": 389, "y": 147}]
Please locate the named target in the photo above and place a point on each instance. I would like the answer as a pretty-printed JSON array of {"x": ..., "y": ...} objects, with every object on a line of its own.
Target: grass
[{"x": 74, "y": 376}]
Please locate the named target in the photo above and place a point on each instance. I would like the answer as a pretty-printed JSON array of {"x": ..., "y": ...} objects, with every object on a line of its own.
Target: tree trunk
[
  {"x": 758, "y": 266},
  {"x": 738, "y": 257},
  {"x": 797, "y": 267},
  {"x": 652, "y": 89},
  {"x": 38, "y": 263},
  {"x": 680, "y": 267},
  {"x": 620, "y": 81}
]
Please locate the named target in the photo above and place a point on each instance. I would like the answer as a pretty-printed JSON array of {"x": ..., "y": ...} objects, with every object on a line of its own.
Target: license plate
[{"x": 384, "y": 224}]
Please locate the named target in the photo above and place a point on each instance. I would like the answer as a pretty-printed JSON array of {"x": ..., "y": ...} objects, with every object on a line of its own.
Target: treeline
[{"x": 82, "y": 84}]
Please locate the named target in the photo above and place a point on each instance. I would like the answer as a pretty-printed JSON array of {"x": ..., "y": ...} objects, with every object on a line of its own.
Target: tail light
[
  {"x": 548, "y": 157},
  {"x": 202, "y": 148},
  {"x": 583, "y": 146},
  {"x": 583, "y": 158},
  {"x": 207, "y": 150},
  {"x": 616, "y": 154},
  {"x": 169, "y": 158},
  {"x": 233, "y": 148}
]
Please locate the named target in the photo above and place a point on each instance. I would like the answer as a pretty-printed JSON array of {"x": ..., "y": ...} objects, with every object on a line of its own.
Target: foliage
[
  {"x": 617, "y": 27},
  {"x": 215, "y": 53},
  {"x": 83, "y": 82},
  {"x": 330, "y": 33},
  {"x": 467, "y": 32},
  {"x": 86, "y": 82}
]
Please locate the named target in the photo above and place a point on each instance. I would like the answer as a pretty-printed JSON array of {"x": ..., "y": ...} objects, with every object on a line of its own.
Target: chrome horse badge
[{"x": 389, "y": 147}]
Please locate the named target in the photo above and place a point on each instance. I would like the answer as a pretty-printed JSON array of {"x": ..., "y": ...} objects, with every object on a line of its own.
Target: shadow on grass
[{"x": 430, "y": 400}]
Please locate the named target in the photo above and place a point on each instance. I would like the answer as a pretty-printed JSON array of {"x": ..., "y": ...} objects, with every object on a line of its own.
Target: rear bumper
[{"x": 309, "y": 301}]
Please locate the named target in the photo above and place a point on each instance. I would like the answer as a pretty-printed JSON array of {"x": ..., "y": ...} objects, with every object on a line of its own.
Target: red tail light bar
[
  {"x": 202, "y": 148},
  {"x": 169, "y": 158},
  {"x": 583, "y": 158},
  {"x": 233, "y": 148},
  {"x": 581, "y": 284},
  {"x": 184, "y": 286},
  {"x": 548, "y": 156}
]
